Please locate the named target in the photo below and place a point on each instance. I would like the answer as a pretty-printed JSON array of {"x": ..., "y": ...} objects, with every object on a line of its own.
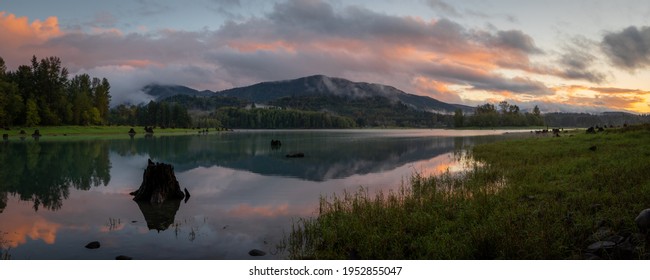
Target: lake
[{"x": 58, "y": 194}]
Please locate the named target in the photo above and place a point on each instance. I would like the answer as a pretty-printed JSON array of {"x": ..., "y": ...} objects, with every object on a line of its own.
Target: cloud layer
[{"x": 436, "y": 57}]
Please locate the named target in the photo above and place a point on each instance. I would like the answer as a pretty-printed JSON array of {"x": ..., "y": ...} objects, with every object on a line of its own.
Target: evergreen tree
[{"x": 32, "y": 117}]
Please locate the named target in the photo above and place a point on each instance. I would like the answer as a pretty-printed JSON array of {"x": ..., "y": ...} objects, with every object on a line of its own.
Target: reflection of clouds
[
  {"x": 245, "y": 210},
  {"x": 230, "y": 212},
  {"x": 19, "y": 223}
]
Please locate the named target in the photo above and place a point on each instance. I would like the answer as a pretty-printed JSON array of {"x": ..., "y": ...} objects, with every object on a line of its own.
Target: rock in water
[
  {"x": 643, "y": 220},
  {"x": 158, "y": 184},
  {"x": 256, "y": 253},
  {"x": 93, "y": 245}
]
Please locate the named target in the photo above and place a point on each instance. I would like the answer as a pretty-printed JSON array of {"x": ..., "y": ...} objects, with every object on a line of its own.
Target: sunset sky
[{"x": 585, "y": 56}]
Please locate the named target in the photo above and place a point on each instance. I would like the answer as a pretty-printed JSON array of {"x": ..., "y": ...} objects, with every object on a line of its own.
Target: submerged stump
[{"x": 159, "y": 184}]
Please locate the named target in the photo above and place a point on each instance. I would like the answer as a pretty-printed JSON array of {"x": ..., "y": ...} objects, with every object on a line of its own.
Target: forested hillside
[{"x": 42, "y": 94}]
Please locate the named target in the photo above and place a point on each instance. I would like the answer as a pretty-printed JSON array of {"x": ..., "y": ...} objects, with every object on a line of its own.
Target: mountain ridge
[
  {"x": 315, "y": 85},
  {"x": 323, "y": 85}
]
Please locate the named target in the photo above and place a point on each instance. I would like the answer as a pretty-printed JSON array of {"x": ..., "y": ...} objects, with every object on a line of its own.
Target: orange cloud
[
  {"x": 19, "y": 37},
  {"x": 20, "y": 27},
  {"x": 243, "y": 210},
  {"x": 34, "y": 229}
]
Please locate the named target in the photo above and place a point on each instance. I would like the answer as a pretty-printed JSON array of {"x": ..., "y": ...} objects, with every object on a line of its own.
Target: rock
[
  {"x": 132, "y": 131},
  {"x": 123, "y": 257},
  {"x": 643, "y": 220},
  {"x": 256, "y": 253},
  {"x": 601, "y": 234},
  {"x": 296, "y": 155},
  {"x": 600, "y": 246},
  {"x": 93, "y": 245}
]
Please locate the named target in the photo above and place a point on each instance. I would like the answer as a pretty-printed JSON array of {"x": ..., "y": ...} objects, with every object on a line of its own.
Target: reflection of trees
[
  {"x": 43, "y": 172},
  {"x": 328, "y": 155}
]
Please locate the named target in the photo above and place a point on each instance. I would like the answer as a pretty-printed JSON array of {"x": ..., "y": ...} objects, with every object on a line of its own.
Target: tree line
[
  {"x": 231, "y": 117},
  {"x": 42, "y": 94},
  {"x": 504, "y": 114},
  {"x": 159, "y": 114}
]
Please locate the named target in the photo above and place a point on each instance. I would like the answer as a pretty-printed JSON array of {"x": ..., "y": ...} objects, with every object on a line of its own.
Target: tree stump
[{"x": 158, "y": 184}]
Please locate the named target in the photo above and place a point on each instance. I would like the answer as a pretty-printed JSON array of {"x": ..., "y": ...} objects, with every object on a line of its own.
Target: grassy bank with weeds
[
  {"x": 533, "y": 198},
  {"x": 86, "y": 131}
]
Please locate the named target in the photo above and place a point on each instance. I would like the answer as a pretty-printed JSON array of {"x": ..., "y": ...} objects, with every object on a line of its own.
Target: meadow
[{"x": 533, "y": 198}]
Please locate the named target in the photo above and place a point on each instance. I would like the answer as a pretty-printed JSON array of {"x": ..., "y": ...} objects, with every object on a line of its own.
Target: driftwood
[{"x": 159, "y": 184}]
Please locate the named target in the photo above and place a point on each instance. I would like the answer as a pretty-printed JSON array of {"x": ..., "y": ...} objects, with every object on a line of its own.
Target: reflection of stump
[
  {"x": 158, "y": 184},
  {"x": 159, "y": 216}
]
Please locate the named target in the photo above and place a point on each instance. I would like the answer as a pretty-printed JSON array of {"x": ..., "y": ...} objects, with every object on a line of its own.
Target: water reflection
[
  {"x": 160, "y": 216},
  {"x": 244, "y": 192},
  {"x": 44, "y": 172}
]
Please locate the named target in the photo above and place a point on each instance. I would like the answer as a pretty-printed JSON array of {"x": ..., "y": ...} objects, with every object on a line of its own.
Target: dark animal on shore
[
  {"x": 593, "y": 148},
  {"x": 132, "y": 131},
  {"x": 276, "y": 143},
  {"x": 591, "y": 130},
  {"x": 600, "y": 129}
]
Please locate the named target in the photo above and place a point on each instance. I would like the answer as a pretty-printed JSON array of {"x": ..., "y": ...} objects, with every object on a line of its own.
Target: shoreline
[{"x": 533, "y": 198}]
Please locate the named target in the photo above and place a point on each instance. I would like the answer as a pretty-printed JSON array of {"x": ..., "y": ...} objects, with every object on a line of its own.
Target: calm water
[{"x": 58, "y": 195}]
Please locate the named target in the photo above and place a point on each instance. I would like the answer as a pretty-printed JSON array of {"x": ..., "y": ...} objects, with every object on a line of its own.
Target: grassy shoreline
[
  {"x": 533, "y": 198},
  {"x": 59, "y": 132}
]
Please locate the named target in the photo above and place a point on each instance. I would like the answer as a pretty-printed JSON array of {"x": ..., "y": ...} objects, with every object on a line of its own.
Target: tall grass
[
  {"x": 4, "y": 249},
  {"x": 537, "y": 198}
]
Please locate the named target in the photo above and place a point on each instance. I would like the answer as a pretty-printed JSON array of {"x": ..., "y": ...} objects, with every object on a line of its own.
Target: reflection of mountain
[
  {"x": 327, "y": 156},
  {"x": 43, "y": 172}
]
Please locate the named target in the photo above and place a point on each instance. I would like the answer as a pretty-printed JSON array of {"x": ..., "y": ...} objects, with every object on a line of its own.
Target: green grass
[
  {"x": 533, "y": 198},
  {"x": 59, "y": 132}
]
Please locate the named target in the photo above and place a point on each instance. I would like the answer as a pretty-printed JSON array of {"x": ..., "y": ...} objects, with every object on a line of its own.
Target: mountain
[
  {"x": 320, "y": 85},
  {"x": 160, "y": 92}
]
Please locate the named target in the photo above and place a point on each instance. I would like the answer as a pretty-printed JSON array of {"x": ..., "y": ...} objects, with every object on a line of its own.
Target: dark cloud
[
  {"x": 515, "y": 39},
  {"x": 444, "y": 7},
  {"x": 577, "y": 65},
  {"x": 577, "y": 61},
  {"x": 628, "y": 49},
  {"x": 483, "y": 80},
  {"x": 152, "y": 7}
]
